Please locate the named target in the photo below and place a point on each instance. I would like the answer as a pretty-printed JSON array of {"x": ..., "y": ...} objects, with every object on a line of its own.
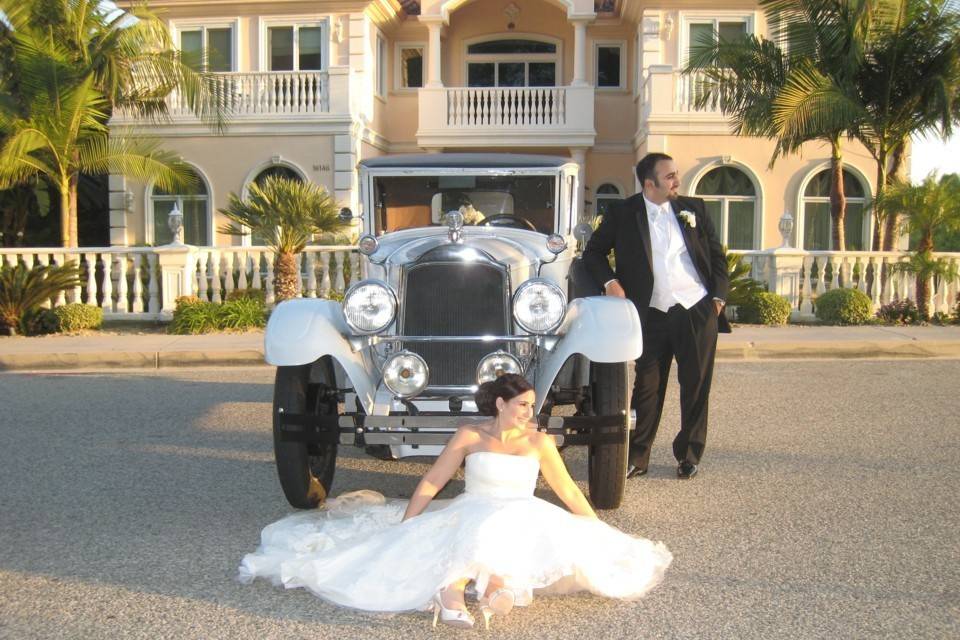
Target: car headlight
[
  {"x": 495, "y": 365},
  {"x": 539, "y": 305},
  {"x": 369, "y": 306},
  {"x": 405, "y": 374}
]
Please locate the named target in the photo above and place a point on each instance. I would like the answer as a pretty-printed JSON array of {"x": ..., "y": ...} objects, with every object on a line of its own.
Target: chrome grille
[{"x": 455, "y": 299}]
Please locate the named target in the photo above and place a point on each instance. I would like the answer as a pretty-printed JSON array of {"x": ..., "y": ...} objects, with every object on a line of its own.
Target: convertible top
[{"x": 465, "y": 160}]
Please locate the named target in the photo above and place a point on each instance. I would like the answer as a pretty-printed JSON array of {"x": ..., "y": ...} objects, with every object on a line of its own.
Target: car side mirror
[{"x": 583, "y": 231}]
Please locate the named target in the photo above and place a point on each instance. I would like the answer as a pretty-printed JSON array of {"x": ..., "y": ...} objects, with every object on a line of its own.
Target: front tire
[
  {"x": 305, "y": 470},
  {"x": 607, "y": 463}
]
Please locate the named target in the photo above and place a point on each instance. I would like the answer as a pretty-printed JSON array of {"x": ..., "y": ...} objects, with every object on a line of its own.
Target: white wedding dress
[{"x": 357, "y": 553}]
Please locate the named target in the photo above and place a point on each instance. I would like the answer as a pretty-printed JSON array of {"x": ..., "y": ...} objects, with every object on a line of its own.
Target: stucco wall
[{"x": 228, "y": 163}]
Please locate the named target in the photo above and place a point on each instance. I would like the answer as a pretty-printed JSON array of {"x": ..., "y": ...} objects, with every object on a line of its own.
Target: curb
[
  {"x": 726, "y": 352},
  {"x": 130, "y": 360},
  {"x": 828, "y": 350}
]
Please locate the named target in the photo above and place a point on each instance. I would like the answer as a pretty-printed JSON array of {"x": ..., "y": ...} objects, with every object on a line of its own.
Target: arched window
[
  {"x": 279, "y": 171},
  {"x": 512, "y": 62},
  {"x": 606, "y": 193},
  {"x": 195, "y": 206},
  {"x": 731, "y": 201},
  {"x": 817, "y": 223}
]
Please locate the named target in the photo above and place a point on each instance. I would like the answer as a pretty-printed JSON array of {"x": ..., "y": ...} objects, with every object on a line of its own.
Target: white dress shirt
[{"x": 675, "y": 279}]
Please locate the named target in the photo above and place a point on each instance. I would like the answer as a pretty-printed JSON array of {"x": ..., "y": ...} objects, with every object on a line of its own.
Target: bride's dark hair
[{"x": 508, "y": 386}]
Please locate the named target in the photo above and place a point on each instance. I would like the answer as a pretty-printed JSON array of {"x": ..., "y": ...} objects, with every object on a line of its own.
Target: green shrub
[
  {"x": 764, "y": 307},
  {"x": 899, "y": 312},
  {"x": 39, "y": 321},
  {"x": 76, "y": 317},
  {"x": 242, "y": 313},
  {"x": 191, "y": 317},
  {"x": 843, "y": 306},
  {"x": 24, "y": 289},
  {"x": 248, "y": 294}
]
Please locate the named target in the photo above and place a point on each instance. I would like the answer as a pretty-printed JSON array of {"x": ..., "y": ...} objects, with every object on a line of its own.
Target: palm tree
[
  {"x": 65, "y": 134},
  {"x": 907, "y": 85},
  {"x": 23, "y": 289},
  {"x": 128, "y": 56},
  {"x": 933, "y": 205},
  {"x": 286, "y": 214},
  {"x": 786, "y": 88}
]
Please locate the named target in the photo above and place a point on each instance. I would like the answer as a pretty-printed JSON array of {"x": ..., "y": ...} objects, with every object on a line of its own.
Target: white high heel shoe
[
  {"x": 499, "y": 602},
  {"x": 459, "y": 618}
]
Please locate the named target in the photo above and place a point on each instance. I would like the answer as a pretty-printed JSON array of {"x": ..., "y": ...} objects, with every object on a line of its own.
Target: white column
[
  {"x": 579, "y": 54},
  {"x": 434, "y": 76}
]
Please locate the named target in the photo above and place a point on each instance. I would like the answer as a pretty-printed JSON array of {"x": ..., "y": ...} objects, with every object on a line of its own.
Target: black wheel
[
  {"x": 305, "y": 470},
  {"x": 607, "y": 463}
]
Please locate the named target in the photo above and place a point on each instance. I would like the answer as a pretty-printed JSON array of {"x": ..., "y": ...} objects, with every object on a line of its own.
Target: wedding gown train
[{"x": 357, "y": 553}]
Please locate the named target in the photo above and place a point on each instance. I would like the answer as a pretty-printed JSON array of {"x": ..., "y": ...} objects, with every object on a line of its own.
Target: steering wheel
[{"x": 507, "y": 220}]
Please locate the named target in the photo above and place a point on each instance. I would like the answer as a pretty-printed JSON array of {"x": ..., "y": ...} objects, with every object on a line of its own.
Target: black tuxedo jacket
[{"x": 625, "y": 229}]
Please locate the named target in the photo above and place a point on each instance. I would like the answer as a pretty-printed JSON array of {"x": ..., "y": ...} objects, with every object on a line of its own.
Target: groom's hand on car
[{"x": 614, "y": 289}]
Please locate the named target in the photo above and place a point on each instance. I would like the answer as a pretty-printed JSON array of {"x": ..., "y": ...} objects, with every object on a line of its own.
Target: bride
[{"x": 364, "y": 552}]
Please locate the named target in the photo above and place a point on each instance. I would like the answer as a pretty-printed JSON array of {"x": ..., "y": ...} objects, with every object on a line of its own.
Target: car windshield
[{"x": 402, "y": 202}]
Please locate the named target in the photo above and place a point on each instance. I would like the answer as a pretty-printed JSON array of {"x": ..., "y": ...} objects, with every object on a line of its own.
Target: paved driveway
[{"x": 827, "y": 507}]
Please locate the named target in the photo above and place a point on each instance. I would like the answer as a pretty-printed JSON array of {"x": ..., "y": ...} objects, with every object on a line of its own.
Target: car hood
[{"x": 512, "y": 247}]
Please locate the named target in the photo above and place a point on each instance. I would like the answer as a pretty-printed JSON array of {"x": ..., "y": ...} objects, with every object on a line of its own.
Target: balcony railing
[
  {"x": 506, "y": 116},
  {"x": 256, "y": 95}
]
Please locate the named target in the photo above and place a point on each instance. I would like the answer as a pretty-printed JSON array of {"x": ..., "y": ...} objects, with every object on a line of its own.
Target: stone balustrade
[
  {"x": 801, "y": 276},
  {"x": 144, "y": 282}
]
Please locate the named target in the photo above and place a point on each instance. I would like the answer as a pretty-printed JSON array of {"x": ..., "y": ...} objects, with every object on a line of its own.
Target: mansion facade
[{"x": 316, "y": 86}]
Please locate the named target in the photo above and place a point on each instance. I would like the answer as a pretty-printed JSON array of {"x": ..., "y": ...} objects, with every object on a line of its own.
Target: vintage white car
[{"x": 469, "y": 271}]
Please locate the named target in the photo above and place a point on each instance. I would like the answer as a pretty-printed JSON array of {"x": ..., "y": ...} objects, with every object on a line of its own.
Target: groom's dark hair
[
  {"x": 508, "y": 386},
  {"x": 647, "y": 167}
]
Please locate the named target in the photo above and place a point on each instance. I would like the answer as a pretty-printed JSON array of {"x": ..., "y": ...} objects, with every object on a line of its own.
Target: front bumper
[{"x": 436, "y": 429}]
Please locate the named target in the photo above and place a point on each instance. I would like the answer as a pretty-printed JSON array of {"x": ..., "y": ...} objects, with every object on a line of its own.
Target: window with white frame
[
  {"x": 512, "y": 62},
  {"x": 817, "y": 222},
  {"x": 208, "y": 47},
  {"x": 297, "y": 46},
  {"x": 703, "y": 30},
  {"x": 195, "y": 207},
  {"x": 731, "y": 202},
  {"x": 381, "y": 66},
  {"x": 610, "y": 65},
  {"x": 409, "y": 67},
  {"x": 607, "y": 193}
]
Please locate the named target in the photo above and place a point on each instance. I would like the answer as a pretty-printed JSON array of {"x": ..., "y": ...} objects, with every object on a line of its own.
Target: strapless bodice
[{"x": 501, "y": 475}]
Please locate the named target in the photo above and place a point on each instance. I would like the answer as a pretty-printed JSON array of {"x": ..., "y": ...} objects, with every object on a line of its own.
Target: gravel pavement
[{"x": 827, "y": 507}]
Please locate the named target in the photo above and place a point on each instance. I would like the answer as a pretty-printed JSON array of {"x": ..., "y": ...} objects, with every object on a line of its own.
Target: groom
[{"x": 671, "y": 265}]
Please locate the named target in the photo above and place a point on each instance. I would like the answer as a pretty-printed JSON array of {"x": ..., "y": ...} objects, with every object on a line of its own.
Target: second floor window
[
  {"x": 208, "y": 48},
  {"x": 704, "y": 32},
  {"x": 512, "y": 63},
  {"x": 295, "y": 48},
  {"x": 411, "y": 67},
  {"x": 610, "y": 61}
]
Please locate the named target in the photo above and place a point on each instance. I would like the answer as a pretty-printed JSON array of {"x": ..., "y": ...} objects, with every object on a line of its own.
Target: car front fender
[
  {"x": 303, "y": 330},
  {"x": 601, "y": 328}
]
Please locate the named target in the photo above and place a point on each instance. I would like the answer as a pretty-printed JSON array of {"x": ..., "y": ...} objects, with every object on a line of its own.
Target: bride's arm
[
  {"x": 557, "y": 476},
  {"x": 442, "y": 470}
]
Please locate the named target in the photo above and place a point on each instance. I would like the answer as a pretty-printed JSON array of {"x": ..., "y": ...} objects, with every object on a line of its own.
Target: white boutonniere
[{"x": 689, "y": 218}]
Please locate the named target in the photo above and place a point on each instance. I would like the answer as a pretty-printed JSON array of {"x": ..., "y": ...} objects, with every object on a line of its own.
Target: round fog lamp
[
  {"x": 495, "y": 365},
  {"x": 405, "y": 374}
]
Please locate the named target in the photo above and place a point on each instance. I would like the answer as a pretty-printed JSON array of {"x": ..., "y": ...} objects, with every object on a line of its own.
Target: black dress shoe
[
  {"x": 633, "y": 471},
  {"x": 686, "y": 470}
]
